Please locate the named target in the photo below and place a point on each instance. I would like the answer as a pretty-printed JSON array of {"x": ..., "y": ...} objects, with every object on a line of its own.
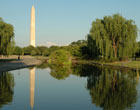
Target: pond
[{"x": 81, "y": 87}]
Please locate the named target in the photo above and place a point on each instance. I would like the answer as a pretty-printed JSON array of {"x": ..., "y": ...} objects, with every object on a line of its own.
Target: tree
[
  {"x": 27, "y": 50},
  {"x": 60, "y": 57},
  {"x": 113, "y": 37},
  {"x": 138, "y": 52},
  {"x": 77, "y": 48},
  {"x": 33, "y": 53},
  {"x": 6, "y": 38},
  {"x": 42, "y": 49},
  {"x": 52, "y": 49},
  {"x": 79, "y": 42},
  {"x": 45, "y": 52},
  {"x": 17, "y": 50}
]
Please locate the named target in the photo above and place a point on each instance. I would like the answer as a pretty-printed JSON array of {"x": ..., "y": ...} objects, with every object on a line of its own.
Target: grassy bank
[
  {"x": 128, "y": 64},
  {"x": 120, "y": 64}
]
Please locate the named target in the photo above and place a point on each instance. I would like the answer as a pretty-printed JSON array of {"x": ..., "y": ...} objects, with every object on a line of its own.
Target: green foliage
[
  {"x": 6, "y": 88},
  {"x": 6, "y": 38},
  {"x": 60, "y": 73},
  {"x": 45, "y": 52},
  {"x": 75, "y": 51},
  {"x": 27, "y": 50},
  {"x": 30, "y": 50},
  {"x": 17, "y": 50},
  {"x": 113, "y": 89},
  {"x": 33, "y": 53},
  {"x": 38, "y": 52},
  {"x": 52, "y": 49},
  {"x": 78, "y": 43},
  {"x": 137, "y": 54},
  {"x": 42, "y": 50},
  {"x": 110, "y": 89},
  {"x": 43, "y": 65},
  {"x": 60, "y": 57},
  {"x": 85, "y": 52},
  {"x": 113, "y": 37},
  {"x": 79, "y": 49},
  {"x": 57, "y": 72}
]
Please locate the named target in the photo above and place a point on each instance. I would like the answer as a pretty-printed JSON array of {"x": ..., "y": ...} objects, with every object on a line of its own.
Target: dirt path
[{"x": 18, "y": 64}]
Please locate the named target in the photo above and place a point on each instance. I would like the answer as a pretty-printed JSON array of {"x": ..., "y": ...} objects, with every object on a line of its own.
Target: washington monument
[{"x": 32, "y": 30}]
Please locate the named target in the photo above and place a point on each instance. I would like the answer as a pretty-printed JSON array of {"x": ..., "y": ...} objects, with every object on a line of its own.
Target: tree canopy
[
  {"x": 6, "y": 38},
  {"x": 113, "y": 37},
  {"x": 18, "y": 50},
  {"x": 60, "y": 57}
]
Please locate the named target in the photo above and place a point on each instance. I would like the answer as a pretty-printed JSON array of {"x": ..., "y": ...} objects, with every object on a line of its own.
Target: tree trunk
[{"x": 115, "y": 49}]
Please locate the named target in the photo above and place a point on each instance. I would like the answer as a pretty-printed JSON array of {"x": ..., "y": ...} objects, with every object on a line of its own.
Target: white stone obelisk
[{"x": 32, "y": 30}]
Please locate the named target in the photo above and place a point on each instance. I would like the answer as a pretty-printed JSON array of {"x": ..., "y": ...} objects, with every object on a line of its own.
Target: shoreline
[
  {"x": 24, "y": 62},
  {"x": 121, "y": 65},
  {"x": 12, "y": 63}
]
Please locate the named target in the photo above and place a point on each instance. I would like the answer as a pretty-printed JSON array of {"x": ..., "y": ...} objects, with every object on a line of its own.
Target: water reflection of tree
[
  {"x": 6, "y": 88},
  {"x": 42, "y": 66},
  {"x": 110, "y": 89},
  {"x": 85, "y": 70},
  {"x": 57, "y": 71},
  {"x": 60, "y": 72}
]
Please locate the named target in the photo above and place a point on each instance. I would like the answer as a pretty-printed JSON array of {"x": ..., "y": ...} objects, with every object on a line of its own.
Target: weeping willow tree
[
  {"x": 6, "y": 38},
  {"x": 113, "y": 37}
]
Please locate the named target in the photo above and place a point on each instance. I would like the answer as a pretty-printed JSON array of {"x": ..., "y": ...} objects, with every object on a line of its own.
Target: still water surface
[{"x": 81, "y": 87}]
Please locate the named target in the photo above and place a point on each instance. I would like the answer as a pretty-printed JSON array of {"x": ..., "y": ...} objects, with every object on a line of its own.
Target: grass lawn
[{"x": 131, "y": 64}]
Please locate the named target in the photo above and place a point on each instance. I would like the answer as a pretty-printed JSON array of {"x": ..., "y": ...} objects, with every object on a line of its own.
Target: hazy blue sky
[{"x": 62, "y": 21}]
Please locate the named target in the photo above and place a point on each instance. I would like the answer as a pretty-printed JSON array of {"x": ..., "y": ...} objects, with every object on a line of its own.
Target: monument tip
[{"x": 33, "y": 6}]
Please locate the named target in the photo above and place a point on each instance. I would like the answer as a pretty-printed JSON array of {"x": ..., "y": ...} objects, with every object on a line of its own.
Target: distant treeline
[
  {"x": 76, "y": 49},
  {"x": 111, "y": 38}
]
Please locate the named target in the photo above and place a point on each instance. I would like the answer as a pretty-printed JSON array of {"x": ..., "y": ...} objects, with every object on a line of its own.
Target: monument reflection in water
[{"x": 32, "y": 86}]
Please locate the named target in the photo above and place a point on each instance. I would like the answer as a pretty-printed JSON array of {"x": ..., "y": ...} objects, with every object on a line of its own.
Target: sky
[{"x": 60, "y": 22}]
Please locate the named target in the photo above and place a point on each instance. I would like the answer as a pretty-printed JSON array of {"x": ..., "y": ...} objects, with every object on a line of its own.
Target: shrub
[
  {"x": 60, "y": 57},
  {"x": 33, "y": 53}
]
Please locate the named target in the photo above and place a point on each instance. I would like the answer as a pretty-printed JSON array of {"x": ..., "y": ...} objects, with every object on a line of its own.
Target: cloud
[{"x": 49, "y": 44}]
